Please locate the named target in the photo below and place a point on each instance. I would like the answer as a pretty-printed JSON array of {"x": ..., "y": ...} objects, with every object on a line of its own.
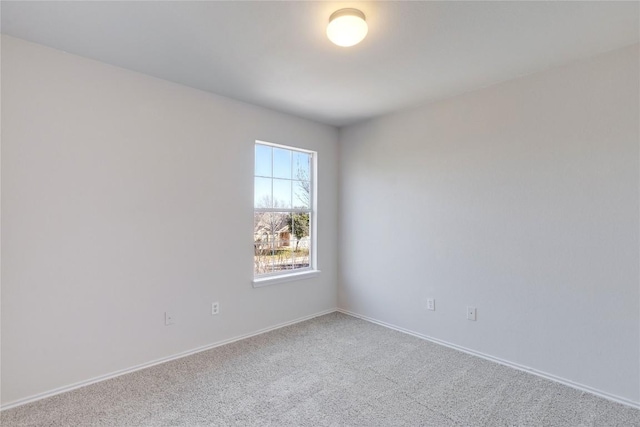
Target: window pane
[
  {"x": 300, "y": 225},
  {"x": 301, "y": 166},
  {"x": 269, "y": 224},
  {"x": 282, "y": 252},
  {"x": 262, "y": 197},
  {"x": 282, "y": 181},
  {"x": 263, "y": 160},
  {"x": 282, "y": 193},
  {"x": 281, "y": 163},
  {"x": 301, "y": 194},
  {"x": 261, "y": 245},
  {"x": 271, "y": 241}
]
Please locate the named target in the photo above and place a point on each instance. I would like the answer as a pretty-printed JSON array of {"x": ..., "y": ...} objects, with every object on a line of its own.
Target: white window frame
[{"x": 299, "y": 273}]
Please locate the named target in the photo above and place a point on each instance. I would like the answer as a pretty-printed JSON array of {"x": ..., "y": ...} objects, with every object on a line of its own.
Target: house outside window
[{"x": 284, "y": 211}]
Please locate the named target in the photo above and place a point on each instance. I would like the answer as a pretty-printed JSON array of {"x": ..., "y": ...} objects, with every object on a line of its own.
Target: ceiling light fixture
[{"x": 347, "y": 27}]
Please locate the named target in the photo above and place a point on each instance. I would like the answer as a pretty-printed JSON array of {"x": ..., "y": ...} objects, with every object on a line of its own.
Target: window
[{"x": 284, "y": 211}]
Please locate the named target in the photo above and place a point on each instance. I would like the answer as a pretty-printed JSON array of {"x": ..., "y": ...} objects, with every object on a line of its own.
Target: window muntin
[{"x": 283, "y": 210}]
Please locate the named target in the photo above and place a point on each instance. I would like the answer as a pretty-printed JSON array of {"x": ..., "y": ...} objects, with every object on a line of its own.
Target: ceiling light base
[{"x": 347, "y": 27}]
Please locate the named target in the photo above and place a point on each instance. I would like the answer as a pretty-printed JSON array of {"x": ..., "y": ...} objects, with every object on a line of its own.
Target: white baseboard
[
  {"x": 100, "y": 378},
  {"x": 533, "y": 371}
]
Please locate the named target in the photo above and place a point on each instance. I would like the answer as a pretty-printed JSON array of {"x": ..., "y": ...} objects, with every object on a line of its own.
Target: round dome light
[{"x": 347, "y": 27}]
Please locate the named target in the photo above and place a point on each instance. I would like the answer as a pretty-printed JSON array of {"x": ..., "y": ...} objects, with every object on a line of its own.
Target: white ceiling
[{"x": 276, "y": 54}]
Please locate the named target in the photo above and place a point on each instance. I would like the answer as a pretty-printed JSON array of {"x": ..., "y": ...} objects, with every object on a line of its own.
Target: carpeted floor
[{"x": 333, "y": 370}]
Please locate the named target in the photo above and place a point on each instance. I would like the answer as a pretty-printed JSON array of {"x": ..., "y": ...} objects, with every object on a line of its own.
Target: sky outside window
[{"x": 282, "y": 178}]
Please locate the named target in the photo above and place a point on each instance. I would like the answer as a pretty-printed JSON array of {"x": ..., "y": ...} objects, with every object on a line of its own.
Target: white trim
[
  {"x": 313, "y": 231},
  {"x": 125, "y": 371},
  {"x": 312, "y": 210},
  {"x": 283, "y": 210},
  {"x": 261, "y": 281},
  {"x": 514, "y": 365},
  {"x": 118, "y": 373},
  {"x": 286, "y": 147}
]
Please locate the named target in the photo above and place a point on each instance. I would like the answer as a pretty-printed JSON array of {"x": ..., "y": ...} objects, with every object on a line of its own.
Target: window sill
[{"x": 272, "y": 280}]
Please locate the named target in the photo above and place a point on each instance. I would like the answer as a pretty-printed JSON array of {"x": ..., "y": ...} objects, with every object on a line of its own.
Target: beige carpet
[{"x": 334, "y": 370}]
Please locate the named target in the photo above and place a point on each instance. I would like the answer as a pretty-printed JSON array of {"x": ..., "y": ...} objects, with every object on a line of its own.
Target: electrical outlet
[
  {"x": 169, "y": 319},
  {"x": 431, "y": 304},
  {"x": 215, "y": 308},
  {"x": 471, "y": 313}
]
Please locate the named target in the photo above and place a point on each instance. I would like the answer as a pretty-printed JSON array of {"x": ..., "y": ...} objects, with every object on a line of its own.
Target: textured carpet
[{"x": 334, "y": 370}]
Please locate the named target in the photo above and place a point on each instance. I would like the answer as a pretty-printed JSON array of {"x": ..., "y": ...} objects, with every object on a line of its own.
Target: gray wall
[
  {"x": 124, "y": 196},
  {"x": 520, "y": 199}
]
